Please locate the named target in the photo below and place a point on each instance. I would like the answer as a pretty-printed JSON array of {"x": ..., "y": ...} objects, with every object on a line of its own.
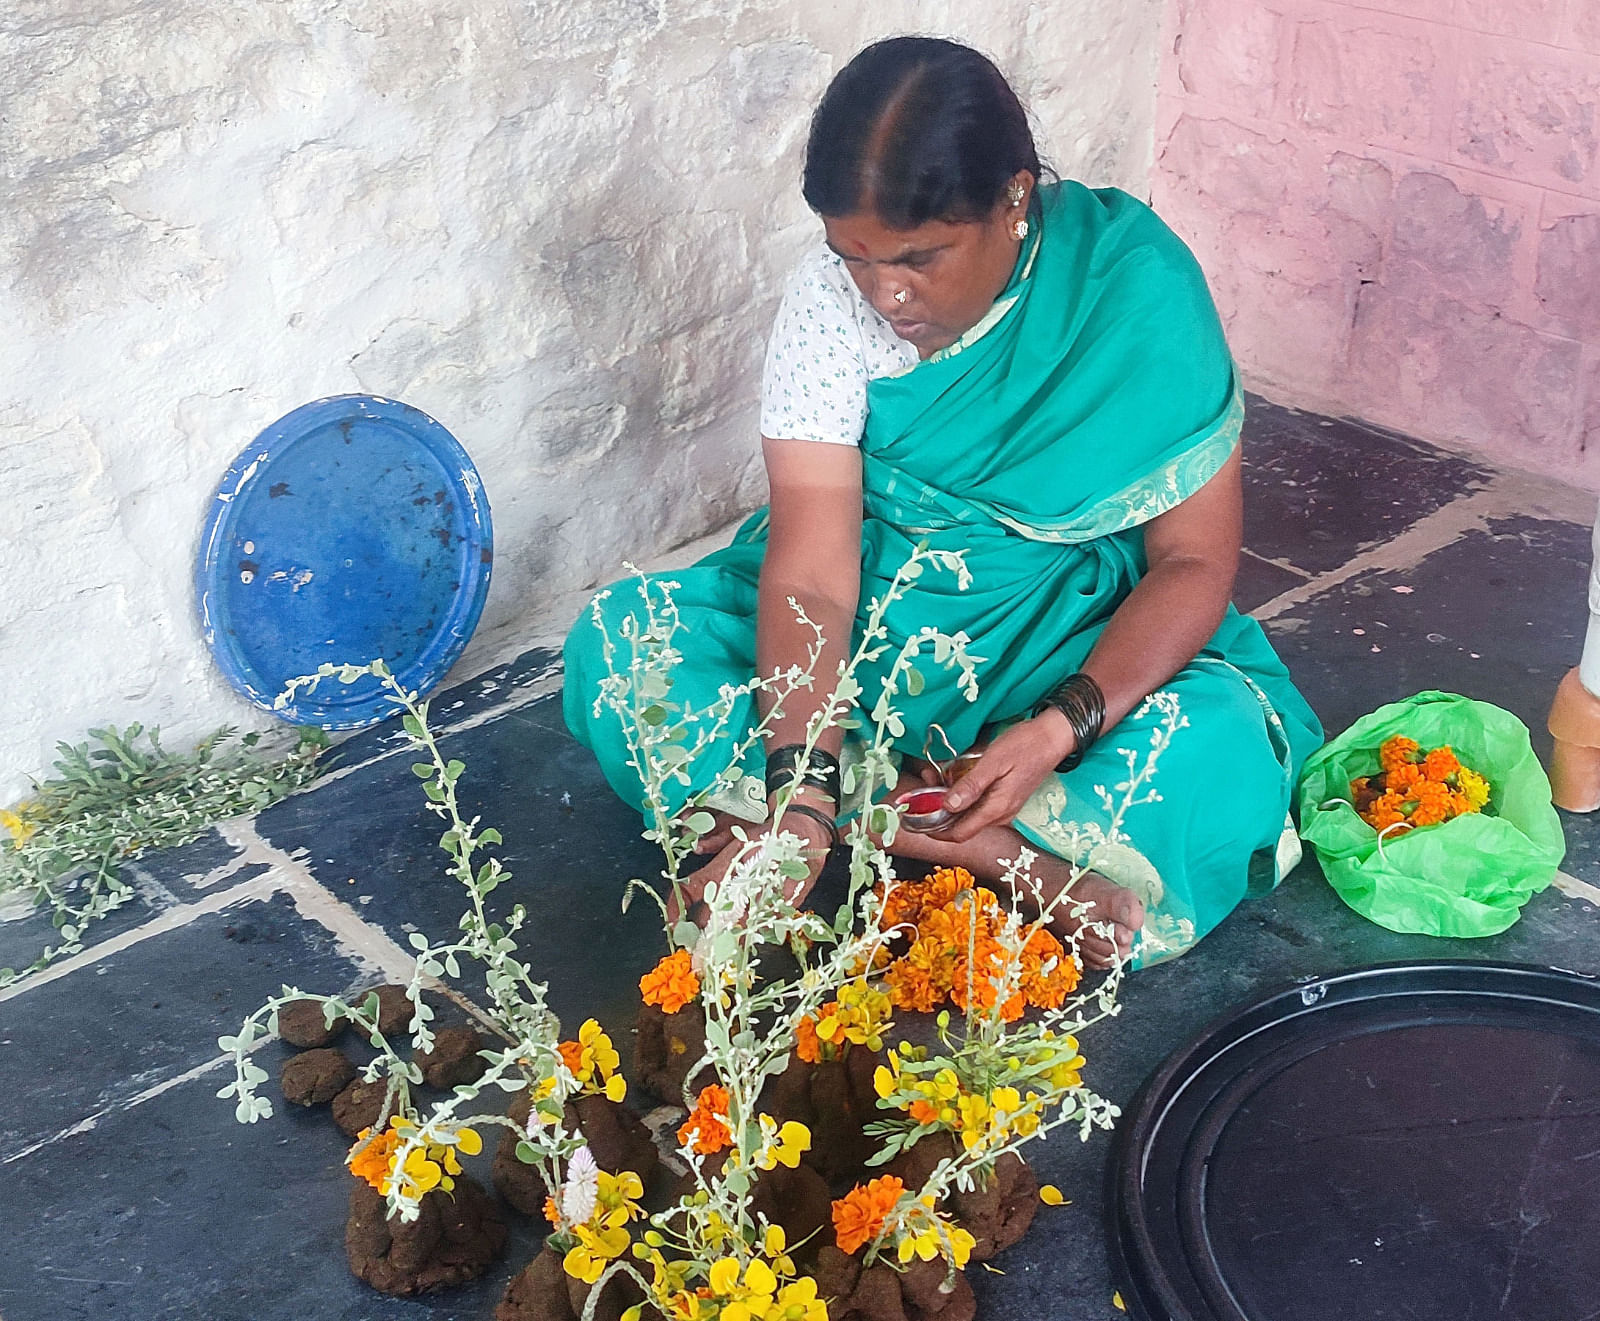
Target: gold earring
[
  {"x": 1019, "y": 230},
  {"x": 902, "y": 296},
  {"x": 1015, "y": 193}
]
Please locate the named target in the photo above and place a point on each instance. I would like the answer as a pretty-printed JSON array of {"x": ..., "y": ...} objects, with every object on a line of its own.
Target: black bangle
[
  {"x": 1079, "y": 699},
  {"x": 818, "y": 769},
  {"x": 816, "y": 814}
]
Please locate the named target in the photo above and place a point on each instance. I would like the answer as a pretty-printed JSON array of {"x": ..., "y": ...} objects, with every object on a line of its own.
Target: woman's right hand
[{"x": 818, "y": 840}]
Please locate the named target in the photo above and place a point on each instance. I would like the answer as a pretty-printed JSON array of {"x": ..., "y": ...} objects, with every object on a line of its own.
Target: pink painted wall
[{"x": 1398, "y": 205}]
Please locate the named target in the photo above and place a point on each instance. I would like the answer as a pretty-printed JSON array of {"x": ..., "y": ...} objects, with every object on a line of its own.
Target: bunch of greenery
[
  {"x": 710, "y": 1254},
  {"x": 415, "y": 1153},
  {"x": 120, "y": 796}
]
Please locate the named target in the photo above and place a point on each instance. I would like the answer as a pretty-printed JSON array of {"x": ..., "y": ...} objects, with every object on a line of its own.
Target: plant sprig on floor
[
  {"x": 529, "y": 1057},
  {"x": 122, "y": 795}
]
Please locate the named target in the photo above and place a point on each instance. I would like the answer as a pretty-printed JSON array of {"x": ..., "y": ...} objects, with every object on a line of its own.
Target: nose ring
[{"x": 902, "y": 296}]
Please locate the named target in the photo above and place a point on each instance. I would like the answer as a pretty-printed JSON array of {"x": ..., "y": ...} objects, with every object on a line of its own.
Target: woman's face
[{"x": 948, "y": 274}]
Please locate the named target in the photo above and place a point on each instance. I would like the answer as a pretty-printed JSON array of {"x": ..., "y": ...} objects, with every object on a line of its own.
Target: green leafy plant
[{"x": 122, "y": 795}]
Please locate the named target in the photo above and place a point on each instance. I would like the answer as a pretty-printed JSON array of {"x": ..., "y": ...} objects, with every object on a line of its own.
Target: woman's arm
[
  {"x": 814, "y": 556},
  {"x": 1193, "y": 554}
]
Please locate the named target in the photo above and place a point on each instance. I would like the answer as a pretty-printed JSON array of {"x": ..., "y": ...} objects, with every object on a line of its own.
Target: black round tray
[{"x": 1417, "y": 1141}]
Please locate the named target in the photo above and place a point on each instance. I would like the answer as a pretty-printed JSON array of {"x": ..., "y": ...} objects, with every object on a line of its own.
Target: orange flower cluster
[
  {"x": 706, "y": 1129},
  {"x": 1413, "y": 789},
  {"x": 937, "y": 917},
  {"x": 671, "y": 984},
  {"x": 373, "y": 1160},
  {"x": 858, "y": 1216}
]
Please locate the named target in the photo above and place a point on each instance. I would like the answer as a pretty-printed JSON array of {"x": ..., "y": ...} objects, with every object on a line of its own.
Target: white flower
[{"x": 582, "y": 1189}]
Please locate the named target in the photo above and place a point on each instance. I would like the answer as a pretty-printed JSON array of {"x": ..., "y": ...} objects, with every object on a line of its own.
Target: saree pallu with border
[{"x": 1097, "y": 394}]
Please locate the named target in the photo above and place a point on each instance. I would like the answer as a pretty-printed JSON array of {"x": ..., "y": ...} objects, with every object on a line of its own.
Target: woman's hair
[{"x": 916, "y": 129}]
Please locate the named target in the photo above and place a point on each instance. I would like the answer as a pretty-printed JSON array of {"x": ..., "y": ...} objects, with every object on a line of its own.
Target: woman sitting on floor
[{"x": 1032, "y": 374}]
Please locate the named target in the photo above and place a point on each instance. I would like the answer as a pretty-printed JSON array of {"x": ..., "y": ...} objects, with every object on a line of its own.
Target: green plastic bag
[{"x": 1469, "y": 876}]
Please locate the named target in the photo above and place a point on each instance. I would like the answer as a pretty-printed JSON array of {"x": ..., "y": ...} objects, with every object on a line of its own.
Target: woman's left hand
[{"x": 1005, "y": 776}]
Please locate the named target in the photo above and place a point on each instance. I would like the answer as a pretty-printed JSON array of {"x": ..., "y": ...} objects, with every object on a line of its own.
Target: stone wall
[
  {"x": 1398, "y": 203},
  {"x": 558, "y": 226}
]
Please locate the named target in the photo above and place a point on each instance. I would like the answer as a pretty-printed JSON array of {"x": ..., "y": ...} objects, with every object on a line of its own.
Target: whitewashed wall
[{"x": 559, "y": 226}]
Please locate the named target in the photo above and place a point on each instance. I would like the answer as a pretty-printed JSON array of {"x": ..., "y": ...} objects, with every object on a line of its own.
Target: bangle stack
[
  {"x": 792, "y": 767},
  {"x": 1080, "y": 699}
]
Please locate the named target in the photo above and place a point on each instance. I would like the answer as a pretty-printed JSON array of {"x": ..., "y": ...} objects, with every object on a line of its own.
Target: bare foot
[{"x": 1109, "y": 904}]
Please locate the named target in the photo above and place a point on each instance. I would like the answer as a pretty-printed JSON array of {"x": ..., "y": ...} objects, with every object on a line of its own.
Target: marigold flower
[
  {"x": 671, "y": 984},
  {"x": 1441, "y": 763},
  {"x": 858, "y": 1216},
  {"x": 706, "y": 1129},
  {"x": 1474, "y": 788},
  {"x": 806, "y": 1045},
  {"x": 911, "y": 988},
  {"x": 371, "y": 1162},
  {"x": 1398, "y": 751},
  {"x": 1404, "y": 777},
  {"x": 430, "y": 1164}
]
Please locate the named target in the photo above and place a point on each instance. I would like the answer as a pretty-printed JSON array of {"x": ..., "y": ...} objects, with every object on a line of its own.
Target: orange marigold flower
[
  {"x": 1398, "y": 751},
  {"x": 671, "y": 984},
  {"x": 571, "y": 1056},
  {"x": 552, "y": 1212},
  {"x": 706, "y": 1128},
  {"x": 1403, "y": 777},
  {"x": 372, "y": 1161},
  {"x": 858, "y": 1216},
  {"x": 1440, "y": 763},
  {"x": 911, "y": 988},
  {"x": 1384, "y": 812},
  {"x": 1432, "y": 804},
  {"x": 806, "y": 1045}
]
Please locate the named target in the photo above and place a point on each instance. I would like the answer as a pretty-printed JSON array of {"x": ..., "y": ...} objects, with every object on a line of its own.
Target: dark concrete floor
[{"x": 1379, "y": 567}]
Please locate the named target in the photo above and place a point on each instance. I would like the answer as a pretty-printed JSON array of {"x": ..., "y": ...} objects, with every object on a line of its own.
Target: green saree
[{"x": 1097, "y": 394}]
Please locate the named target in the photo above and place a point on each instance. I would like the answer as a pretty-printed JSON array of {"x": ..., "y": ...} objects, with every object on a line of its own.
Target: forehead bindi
[{"x": 867, "y": 240}]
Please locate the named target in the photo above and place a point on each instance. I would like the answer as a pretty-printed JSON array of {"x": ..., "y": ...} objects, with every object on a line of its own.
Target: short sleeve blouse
[{"x": 826, "y": 344}]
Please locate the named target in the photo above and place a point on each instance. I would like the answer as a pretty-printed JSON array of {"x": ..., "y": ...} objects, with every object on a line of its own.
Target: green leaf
[
  {"x": 411, "y": 725},
  {"x": 653, "y": 714},
  {"x": 423, "y": 770},
  {"x": 914, "y": 681},
  {"x": 490, "y": 836},
  {"x": 700, "y": 823}
]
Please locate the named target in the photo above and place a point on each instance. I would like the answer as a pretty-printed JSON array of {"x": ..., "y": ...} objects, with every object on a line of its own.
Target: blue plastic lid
[{"x": 351, "y": 529}]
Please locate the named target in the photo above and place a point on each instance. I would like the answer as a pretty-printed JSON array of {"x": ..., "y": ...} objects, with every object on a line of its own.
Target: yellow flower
[
  {"x": 801, "y": 1294},
  {"x": 776, "y": 1246},
  {"x": 782, "y": 1145},
  {"x": 593, "y": 1061},
  {"x": 920, "y": 1231},
  {"x": 1474, "y": 788},
  {"x": 724, "y": 1275},
  {"x": 1050, "y": 1195},
  {"x": 588, "y": 1258},
  {"x": 16, "y": 824}
]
